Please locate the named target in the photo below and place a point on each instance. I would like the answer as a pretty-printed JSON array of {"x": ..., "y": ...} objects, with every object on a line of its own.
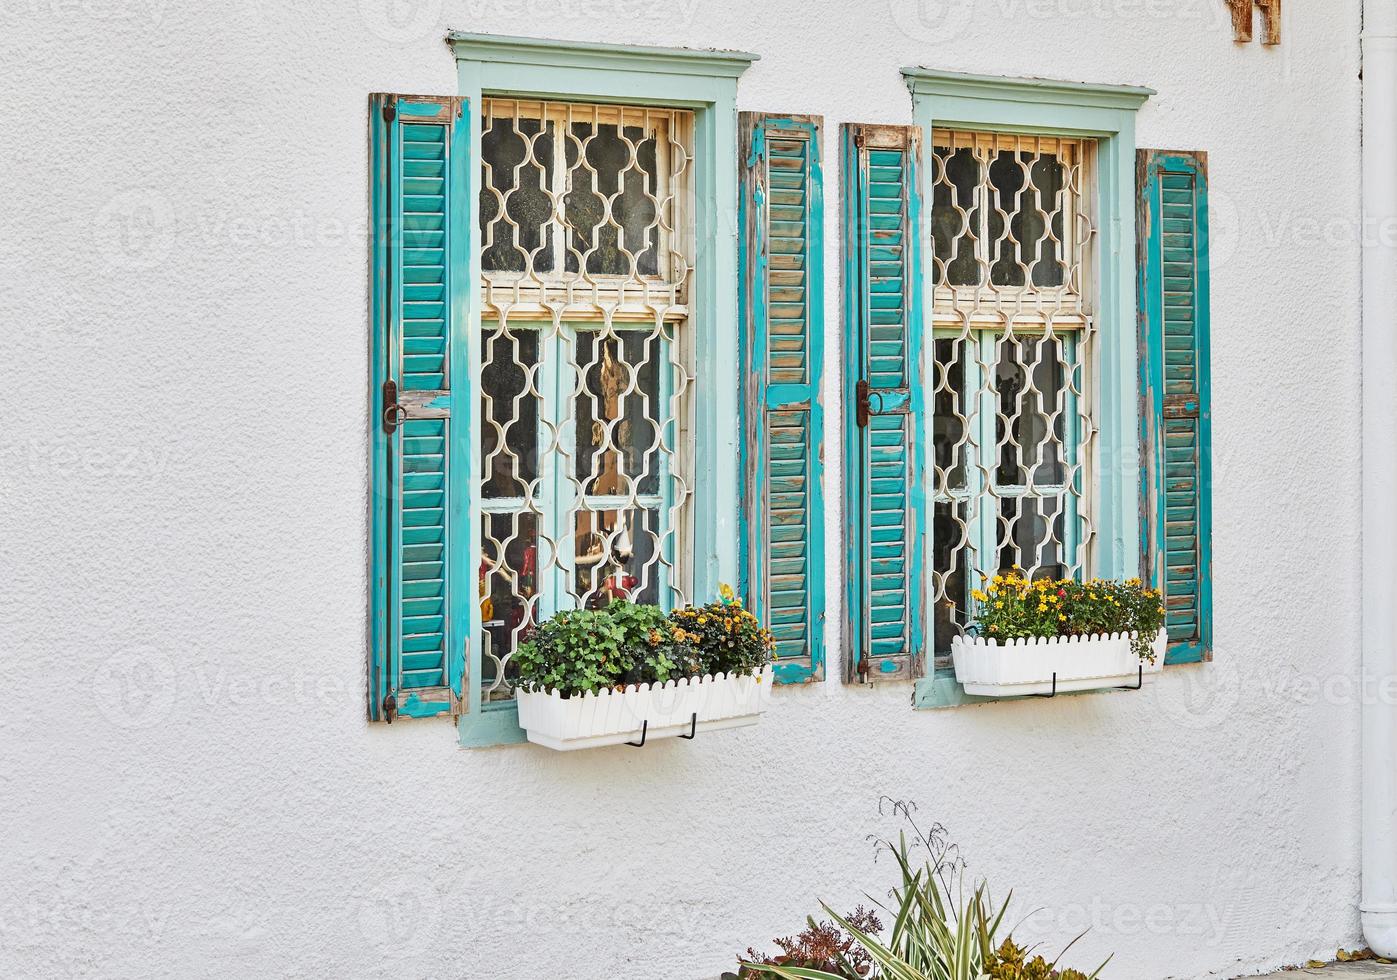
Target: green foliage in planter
[
  {"x": 580, "y": 650},
  {"x": 1011, "y": 607}
]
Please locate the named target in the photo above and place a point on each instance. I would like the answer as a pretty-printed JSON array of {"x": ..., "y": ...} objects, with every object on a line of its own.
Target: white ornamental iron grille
[
  {"x": 587, "y": 259},
  {"x": 1014, "y": 426}
]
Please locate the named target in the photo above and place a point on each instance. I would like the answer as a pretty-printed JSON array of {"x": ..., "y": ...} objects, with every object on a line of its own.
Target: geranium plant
[{"x": 1012, "y": 606}]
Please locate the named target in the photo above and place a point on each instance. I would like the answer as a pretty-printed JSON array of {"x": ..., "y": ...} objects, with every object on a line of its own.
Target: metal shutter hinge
[
  {"x": 389, "y": 113},
  {"x": 861, "y": 404},
  {"x": 390, "y": 708}
]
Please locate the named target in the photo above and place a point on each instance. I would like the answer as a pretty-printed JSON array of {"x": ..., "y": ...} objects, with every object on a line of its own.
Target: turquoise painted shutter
[
  {"x": 783, "y": 317},
  {"x": 1175, "y": 412},
  {"x": 883, "y": 401},
  {"x": 419, "y": 148}
]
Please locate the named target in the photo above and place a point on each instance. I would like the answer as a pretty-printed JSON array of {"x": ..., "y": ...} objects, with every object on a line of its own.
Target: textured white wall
[{"x": 189, "y": 786}]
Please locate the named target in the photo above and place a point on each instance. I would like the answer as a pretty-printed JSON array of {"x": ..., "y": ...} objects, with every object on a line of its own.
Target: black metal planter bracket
[
  {"x": 1139, "y": 683},
  {"x": 693, "y": 730}
]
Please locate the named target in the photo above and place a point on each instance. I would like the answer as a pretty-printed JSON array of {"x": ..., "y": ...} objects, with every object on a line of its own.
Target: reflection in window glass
[
  {"x": 618, "y": 434},
  {"x": 615, "y": 557}
]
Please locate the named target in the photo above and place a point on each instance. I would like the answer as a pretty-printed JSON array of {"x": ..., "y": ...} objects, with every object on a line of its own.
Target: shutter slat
[
  {"x": 783, "y": 317},
  {"x": 1176, "y": 421},
  {"x": 419, "y": 151}
]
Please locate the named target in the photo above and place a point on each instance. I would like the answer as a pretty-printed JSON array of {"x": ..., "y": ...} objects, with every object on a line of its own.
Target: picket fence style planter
[
  {"x": 644, "y": 712},
  {"x": 1014, "y": 668}
]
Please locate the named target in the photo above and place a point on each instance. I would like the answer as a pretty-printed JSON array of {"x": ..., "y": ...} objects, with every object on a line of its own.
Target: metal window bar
[
  {"x": 586, "y": 377},
  {"x": 1013, "y": 229}
]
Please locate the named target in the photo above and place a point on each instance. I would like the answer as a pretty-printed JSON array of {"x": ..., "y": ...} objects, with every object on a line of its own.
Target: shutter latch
[
  {"x": 861, "y": 404},
  {"x": 393, "y": 413},
  {"x": 390, "y": 708}
]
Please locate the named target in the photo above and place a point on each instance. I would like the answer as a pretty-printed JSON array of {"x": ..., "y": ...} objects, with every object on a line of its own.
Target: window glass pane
[
  {"x": 515, "y": 209},
  {"x": 1025, "y": 186},
  {"x": 508, "y": 588},
  {"x": 619, "y": 413},
  {"x": 949, "y": 415},
  {"x": 616, "y": 556},
  {"x": 1031, "y": 535},
  {"x": 613, "y": 184},
  {"x": 1040, "y": 227},
  {"x": 1032, "y": 412},
  {"x": 955, "y": 220},
  {"x": 951, "y": 566},
  {"x": 508, "y": 412}
]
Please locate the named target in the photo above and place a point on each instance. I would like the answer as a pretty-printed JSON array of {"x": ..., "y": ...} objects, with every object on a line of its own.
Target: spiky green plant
[{"x": 943, "y": 927}]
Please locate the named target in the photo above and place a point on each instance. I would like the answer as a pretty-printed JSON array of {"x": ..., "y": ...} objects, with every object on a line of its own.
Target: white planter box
[
  {"x": 1013, "y": 668},
  {"x": 701, "y": 704}
]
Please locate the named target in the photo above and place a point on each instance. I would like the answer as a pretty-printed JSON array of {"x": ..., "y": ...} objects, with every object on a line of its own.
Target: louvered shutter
[
  {"x": 1175, "y": 414},
  {"x": 783, "y": 316},
  {"x": 882, "y": 290},
  {"x": 419, "y": 149}
]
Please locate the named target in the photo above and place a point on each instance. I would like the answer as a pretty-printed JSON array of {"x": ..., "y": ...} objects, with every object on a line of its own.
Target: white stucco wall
[{"x": 188, "y": 786}]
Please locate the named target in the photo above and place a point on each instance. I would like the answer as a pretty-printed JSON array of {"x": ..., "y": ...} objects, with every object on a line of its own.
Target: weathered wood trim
[
  {"x": 1155, "y": 405},
  {"x": 933, "y": 81},
  {"x": 500, "y": 48},
  {"x": 856, "y": 142},
  {"x": 762, "y": 397}
]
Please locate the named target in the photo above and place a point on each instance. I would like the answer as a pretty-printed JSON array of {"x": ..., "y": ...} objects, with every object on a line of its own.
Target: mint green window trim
[
  {"x": 706, "y": 82},
  {"x": 1105, "y": 113}
]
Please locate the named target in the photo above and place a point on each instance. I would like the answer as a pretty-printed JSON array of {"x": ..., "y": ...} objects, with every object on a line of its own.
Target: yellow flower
[
  {"x": 725, "y": 592},
  {"x": 1062, "y": 617},
  {"x": 978, "y": 596},
  {"x": 1042, "y": 607},
  {"x": 999, "y": 604}
]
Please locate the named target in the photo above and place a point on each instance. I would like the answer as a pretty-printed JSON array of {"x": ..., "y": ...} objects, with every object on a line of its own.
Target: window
[
  {"x": 1029, "y": 396},
  {"x": 554, "y": 310},
  {"x": 587, "y": 376},
  {"x": 1013, "y": 314}
]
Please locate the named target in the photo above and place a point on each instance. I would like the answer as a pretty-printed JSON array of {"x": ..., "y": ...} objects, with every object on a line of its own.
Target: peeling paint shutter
[
  {"x": 419, "y": 149},
  {"x": 783, "y": 316},
  {"x": 1175, "y": 413},
  {"x": 883, "y": 405}
]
